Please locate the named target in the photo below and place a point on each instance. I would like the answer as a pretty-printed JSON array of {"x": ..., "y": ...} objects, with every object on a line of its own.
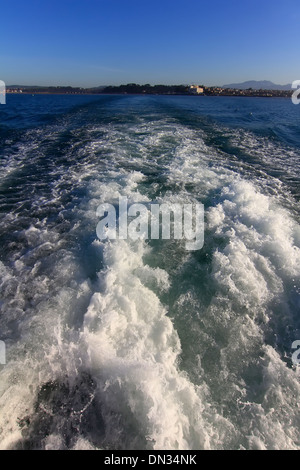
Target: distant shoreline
[
  {"x": 166, "y": 90},
  {"x": 148, "y": 94}
]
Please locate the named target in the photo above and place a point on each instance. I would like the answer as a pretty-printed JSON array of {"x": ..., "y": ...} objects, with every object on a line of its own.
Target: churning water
[{"x": 143, "y": 345}]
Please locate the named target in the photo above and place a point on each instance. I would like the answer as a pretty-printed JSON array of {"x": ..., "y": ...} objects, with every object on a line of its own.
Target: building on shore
[{"x": 196, "y": 90}]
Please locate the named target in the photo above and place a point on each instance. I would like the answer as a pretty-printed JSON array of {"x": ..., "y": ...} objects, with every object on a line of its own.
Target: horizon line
[{"x": 144, "y": 84}]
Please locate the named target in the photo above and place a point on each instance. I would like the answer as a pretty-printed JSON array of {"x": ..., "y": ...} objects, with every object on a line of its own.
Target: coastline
[
  {"x": 165, "y": 90},
  {"x": 42, "y": 93}
]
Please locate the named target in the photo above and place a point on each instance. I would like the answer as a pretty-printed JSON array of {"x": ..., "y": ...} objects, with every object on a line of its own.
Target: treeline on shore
[{"x": 147, "y": 89}]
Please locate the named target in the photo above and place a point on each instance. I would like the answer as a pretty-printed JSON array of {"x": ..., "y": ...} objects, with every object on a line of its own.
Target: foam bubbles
[{"x": 128, "y": 345}]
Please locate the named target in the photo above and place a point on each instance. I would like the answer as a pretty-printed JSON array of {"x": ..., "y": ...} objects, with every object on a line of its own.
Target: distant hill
[
  {"x": 22, "y": 86},
  {"x": 258, "y": 85},
  {"x": 43, "y": 86}
]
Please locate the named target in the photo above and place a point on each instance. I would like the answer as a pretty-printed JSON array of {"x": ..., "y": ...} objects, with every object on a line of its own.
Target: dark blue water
[{"x": 144, "y": 345}]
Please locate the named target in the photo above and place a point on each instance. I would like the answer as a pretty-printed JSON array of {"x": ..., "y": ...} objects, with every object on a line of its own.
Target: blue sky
[{"x": 100, "y": 42}]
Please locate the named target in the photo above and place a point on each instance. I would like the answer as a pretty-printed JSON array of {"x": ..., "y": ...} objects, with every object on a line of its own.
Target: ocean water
[{"x": 141, "y": 344}]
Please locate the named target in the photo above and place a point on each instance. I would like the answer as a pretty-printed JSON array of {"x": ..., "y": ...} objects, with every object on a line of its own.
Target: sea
[{"x": 141, "y": 344}]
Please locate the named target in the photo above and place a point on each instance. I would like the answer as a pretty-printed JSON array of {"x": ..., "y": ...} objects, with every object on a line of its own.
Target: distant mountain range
[{"x": 258, "y": 85}]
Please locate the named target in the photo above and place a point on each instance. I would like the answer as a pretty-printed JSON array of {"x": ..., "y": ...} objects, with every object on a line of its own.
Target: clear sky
[{"x": 101, "y": 42}]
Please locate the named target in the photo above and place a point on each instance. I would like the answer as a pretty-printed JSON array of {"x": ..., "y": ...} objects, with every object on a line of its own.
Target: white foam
[
  {"x": 117, "y": 328},
  {"x": 134, "y": 349}
]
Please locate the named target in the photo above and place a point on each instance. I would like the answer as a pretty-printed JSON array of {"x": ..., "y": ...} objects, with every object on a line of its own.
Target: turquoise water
[{"x": 144, "y": 345}]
